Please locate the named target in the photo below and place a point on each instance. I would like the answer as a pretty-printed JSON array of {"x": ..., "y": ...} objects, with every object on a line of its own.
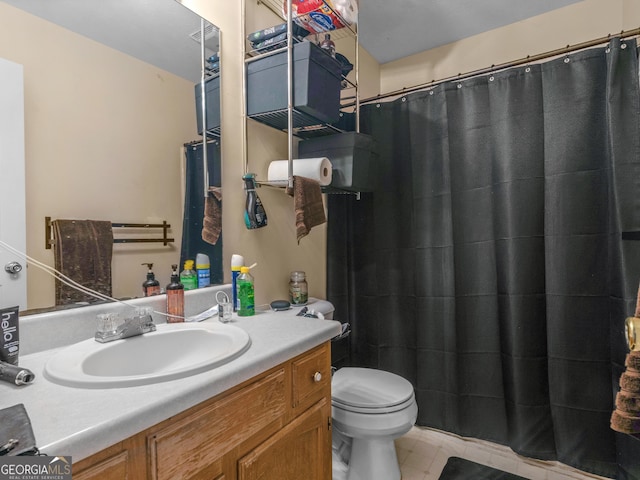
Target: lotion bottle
[
  {"x": 203, "y": 269},
  {"x": 175, "y": 298},
  {"x": 237, "y": 261}
]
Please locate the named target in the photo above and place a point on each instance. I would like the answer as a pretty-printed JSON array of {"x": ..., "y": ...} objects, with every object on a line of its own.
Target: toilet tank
[
  {"x": 340, "y": 350},
  {"x": 323, "y": 306}
]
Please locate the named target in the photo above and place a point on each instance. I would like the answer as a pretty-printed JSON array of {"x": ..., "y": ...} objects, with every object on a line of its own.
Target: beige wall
[
  {"x": 103, "y": 133},
  {"x": 580, "y": 22},
  {"x": 274, "y": 247},
  {"x": 49, "y": 74},
  {"x": 630, "y": 14}
]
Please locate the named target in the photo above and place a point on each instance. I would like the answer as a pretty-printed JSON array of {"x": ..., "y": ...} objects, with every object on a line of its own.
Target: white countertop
[{"x": 80, "y": 422}]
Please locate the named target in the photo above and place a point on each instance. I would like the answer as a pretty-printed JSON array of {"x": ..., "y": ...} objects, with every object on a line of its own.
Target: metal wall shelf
[
  {"x": 305, "y": 126},
  {"x": 293, "y": 121}
]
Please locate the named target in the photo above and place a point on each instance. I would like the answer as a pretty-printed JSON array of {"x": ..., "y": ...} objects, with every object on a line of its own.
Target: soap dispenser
[
  {"x": 175, "y": 297},
  {"x": 151, "y": 286}
]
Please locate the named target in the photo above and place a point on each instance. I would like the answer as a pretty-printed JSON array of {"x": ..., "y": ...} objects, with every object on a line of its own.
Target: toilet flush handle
[{"x": 317, "y": 377}]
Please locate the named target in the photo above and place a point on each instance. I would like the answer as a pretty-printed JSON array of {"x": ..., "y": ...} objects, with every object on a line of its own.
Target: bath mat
[{"x": 461, "y": 469}]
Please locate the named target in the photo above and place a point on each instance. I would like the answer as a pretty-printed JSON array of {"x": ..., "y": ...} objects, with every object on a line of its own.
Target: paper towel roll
[{"x": 315, "y": 168}]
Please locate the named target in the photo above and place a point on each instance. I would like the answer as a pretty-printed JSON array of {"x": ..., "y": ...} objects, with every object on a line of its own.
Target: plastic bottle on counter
[
  {"x": 237, "y": 261},
  {"x": 246, "y": 293},
  {"x": 298, "y": 289},
  {"x": 175, "y": 298},
  {"x": 188, "y": 276},
  {"x": 203, "y": 269},
  {"x": 150, "y": 286}
]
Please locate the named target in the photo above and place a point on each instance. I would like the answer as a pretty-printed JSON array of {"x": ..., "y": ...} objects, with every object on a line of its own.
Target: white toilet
[{"x": 370, "y": 409}]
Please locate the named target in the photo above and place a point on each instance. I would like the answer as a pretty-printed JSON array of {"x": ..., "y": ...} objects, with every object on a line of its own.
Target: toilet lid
[{"x": 369, "y": 388}]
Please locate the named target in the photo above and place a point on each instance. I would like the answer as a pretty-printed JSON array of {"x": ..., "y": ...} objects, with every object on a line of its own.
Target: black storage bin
[
  {"x": 316, "y": 87},
  {"x": 212, "y": 89},
  {"x": 354, "y": 157}
]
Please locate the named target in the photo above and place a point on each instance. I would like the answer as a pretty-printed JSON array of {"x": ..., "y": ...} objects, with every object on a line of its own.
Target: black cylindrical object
[{"x": 9, "y": 335}]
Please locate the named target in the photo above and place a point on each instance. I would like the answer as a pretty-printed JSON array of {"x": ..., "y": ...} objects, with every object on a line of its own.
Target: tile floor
[{"x": 423, "y": 452}]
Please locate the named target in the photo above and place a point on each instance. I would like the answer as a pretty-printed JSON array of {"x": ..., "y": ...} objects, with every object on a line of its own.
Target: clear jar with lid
[{"x": 298, "y": 289}]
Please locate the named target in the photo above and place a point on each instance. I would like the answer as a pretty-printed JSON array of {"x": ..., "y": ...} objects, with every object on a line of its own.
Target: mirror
[{"x": 109, "y": 106}]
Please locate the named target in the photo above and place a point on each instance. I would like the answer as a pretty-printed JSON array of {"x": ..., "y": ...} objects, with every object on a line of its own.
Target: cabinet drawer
[
  {"x": 197, "y": 443},
  {"x": 311, "y": 376}
]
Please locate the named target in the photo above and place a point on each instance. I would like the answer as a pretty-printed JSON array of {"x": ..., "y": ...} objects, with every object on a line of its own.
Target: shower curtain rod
[{"x": 502, "y": 66}]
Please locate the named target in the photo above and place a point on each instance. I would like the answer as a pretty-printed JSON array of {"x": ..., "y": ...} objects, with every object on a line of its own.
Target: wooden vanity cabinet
[{"x": 276, "y": 425}]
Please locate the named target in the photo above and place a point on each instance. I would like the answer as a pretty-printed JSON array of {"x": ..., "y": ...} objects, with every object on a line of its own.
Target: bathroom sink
[{"x": 173, "y": 351}]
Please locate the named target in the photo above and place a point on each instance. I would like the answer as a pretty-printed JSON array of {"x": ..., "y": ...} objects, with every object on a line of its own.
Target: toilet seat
[{"x": 370, "y": 391}]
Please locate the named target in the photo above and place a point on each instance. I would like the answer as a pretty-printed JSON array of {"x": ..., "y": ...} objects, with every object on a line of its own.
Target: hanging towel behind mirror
[{"x": 83, "y": 251}]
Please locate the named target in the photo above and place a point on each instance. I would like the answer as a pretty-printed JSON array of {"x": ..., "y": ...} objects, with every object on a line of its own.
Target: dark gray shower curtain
[{"x": 488, "y": 267}]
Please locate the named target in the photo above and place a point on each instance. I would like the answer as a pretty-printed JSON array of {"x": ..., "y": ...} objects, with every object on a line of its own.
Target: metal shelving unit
[{"x": 284, "y": 119}]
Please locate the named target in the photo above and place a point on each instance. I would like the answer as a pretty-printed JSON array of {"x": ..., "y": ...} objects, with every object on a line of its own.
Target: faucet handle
[
  {"x": 108, "y": 323},
  {"x": 144, "y": 319},
  {"x": 144, "y": 313}
]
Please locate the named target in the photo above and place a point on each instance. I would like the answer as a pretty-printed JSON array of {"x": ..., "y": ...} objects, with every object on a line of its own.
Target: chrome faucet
[{"x": 111, "y": 328}]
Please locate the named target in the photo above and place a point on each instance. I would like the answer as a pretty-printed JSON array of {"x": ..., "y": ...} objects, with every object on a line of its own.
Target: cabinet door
[
  {"x": 114, "y": 468},
  {"x": 123, "y": 461},
  {"x": 299, "y": 451},
  {"x": 194, "y": 446}
]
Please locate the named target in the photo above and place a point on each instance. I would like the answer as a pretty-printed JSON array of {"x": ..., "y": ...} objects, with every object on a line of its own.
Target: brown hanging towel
[
  {"x": 212, "y": 222},
  {"x": 307, "y": 203},
  {"x": 83, "y": 251}
]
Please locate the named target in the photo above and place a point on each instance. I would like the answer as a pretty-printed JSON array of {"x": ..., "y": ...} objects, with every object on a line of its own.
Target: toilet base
[{"x": 373, "y": 459}]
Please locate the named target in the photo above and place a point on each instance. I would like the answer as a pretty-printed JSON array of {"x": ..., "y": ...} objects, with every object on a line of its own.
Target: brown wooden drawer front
[
  {"x": 198, "y": 442},
  {"x": 307, "y": 387}
]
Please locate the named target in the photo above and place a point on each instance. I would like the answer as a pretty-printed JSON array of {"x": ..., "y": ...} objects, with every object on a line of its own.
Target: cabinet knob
[{"x": 317, "y": 377}]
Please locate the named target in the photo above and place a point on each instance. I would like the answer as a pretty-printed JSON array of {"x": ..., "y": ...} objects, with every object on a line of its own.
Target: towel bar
[{"x": 49, "y": 240}]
